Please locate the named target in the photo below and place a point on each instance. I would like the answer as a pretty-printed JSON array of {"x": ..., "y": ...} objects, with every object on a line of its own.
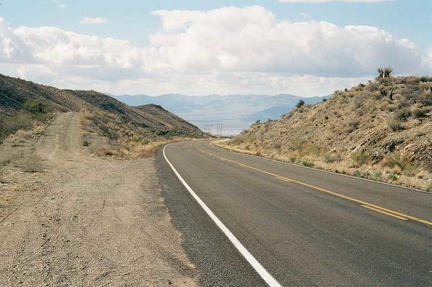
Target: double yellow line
[{"x": 362, "y": 203}]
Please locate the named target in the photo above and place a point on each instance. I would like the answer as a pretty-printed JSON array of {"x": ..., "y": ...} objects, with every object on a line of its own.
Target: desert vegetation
[
  {"x": 19, "y": 129},
  {"x": 34, "y": 113},
  {"x": 106, "y": 134},
  {"x": 109, "y": 127},
  {"x": 381, "y": 130}
]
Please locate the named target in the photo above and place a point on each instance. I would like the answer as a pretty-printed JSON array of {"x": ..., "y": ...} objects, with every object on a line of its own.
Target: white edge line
[{"x": 265, "y": 275}]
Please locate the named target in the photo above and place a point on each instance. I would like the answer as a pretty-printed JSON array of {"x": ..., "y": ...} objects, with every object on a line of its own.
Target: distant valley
[{"x": 235, "y": 112}]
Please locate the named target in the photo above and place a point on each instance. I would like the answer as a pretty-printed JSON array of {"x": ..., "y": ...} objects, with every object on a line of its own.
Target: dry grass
[
  {"x": 18, "y": 151},
  {"x": 107, "y": 134}
]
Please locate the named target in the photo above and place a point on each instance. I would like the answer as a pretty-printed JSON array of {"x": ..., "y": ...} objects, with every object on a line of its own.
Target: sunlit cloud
[
  {"x": 226, "y": 51},
  {"x": 59, "y": 5}
]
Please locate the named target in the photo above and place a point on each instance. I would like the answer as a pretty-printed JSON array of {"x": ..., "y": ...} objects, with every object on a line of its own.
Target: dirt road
[{"x": 89, "y": 222}]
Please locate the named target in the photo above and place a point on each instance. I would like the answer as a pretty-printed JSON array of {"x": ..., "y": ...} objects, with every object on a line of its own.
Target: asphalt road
[{"x": 305, "y": 227}]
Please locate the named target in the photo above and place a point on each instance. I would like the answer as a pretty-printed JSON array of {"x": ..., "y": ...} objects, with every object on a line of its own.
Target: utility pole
[
  {"x": 208, "y": 128},
  {"x": 219, "y": 130}
]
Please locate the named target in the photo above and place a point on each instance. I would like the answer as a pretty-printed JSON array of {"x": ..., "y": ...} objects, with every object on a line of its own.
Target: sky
[{"x": 202, "y": 47}]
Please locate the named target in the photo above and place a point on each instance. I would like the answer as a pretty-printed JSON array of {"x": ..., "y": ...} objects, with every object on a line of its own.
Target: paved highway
[{"x": 303, "y": 226}]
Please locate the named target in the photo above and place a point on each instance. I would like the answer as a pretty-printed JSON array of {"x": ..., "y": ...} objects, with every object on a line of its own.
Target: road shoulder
[{"x": 89, "y": 222}]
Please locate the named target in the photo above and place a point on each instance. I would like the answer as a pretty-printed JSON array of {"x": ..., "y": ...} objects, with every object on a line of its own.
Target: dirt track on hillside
[{"x": 88, "y": 221}]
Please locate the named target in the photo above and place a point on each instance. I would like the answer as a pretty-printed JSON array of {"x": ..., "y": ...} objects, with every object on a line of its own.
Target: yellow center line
[
  {"x": 283, "y": 178},
  {"x": 365, "y": 204},
  {"x": 386, "y": 213}
]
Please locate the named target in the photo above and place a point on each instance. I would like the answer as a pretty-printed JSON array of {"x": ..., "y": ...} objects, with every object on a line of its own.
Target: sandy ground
[{"x": 86, "y": 221}]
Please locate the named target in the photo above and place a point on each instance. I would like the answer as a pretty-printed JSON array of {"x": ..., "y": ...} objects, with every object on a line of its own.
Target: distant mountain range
[{"x": 235, "y": 112}]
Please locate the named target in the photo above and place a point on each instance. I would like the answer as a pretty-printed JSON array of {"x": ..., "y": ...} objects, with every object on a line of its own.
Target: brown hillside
[
  {"x": 174, "y": 125},
  {"x": 110, "y": 127},
  {"x": 382, "y": 131},
  {"x": 15, "y": 92}
]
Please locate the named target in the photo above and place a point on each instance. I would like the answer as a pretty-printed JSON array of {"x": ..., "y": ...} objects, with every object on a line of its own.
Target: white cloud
[
  {"x": 12, "y": 48},
  {"x": 54, "y": 46},
  {"x": 227, "y": 50},
  {"x": 93, "y": 21},
  {"x": 59, "y": 4},
  {"x": 251, "y": 39}
]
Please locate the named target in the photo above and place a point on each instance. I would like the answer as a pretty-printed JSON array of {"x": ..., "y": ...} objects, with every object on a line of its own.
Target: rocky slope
[{"x": 381, "y": 130}]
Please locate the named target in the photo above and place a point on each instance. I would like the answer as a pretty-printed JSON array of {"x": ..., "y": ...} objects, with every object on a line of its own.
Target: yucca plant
[{"x": 387, "y": 72}]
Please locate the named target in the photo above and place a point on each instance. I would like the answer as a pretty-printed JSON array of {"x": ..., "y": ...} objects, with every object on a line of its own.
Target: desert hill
[
  {"x": 109, "y": 126},
  {"x": 69, "y": 211},
  {"x": 381, "y": 130}
]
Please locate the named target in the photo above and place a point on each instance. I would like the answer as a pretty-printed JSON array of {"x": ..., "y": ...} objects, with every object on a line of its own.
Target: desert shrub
[
  {"x": 307, "y": 163},
  {"x": 373, "y": 87},
  {"x": 235, "y": 141},
  {"x": 419, "y": 113},
  {"x": 398, "y": 161},
  {"x": 393, "y": 177},
  {"x": 413, "y": 80},
  {"x": 410, "y": 170},
  {"x": 353, "y": 125},
  {"x": 402, "y": 114},
  {"x": 410, "y": 95},
  {"x": 425, "y": 79},
  {"x": 364, "y": 174},
  {"x": 38, "y": 108},
  {"x": 378, "y": 175},
  {"x": 298, "y": 143},
  {"x": 312, "y": 149},
  {"x": 390, "y": 108},
  {"x": 10, "y": 125},
  {"x": 395, "y": 125},
  {"x": 331, "y": 157},
  {"x": 277, "y": 145},
  {"x": 300, "y": 104},
  {"x": 361, "y": 158},
  {"x": 428, "y": 164},
  {"x": 425, "y": 99}
]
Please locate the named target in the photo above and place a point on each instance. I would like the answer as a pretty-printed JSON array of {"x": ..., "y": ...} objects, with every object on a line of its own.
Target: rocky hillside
[
  {"x": 381, "y": 130},
  {"x": 110, "y": 127}
]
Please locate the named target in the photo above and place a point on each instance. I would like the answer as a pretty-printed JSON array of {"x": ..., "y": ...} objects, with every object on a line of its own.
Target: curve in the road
[
  {"x": 265, "y": 275},
  {"x": 304, "y": 226},
  {"x": 364, "y": 204}
]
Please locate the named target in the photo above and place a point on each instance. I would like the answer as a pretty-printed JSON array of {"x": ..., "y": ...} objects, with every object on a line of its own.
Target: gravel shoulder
[{"x": 86, "y": 221}]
